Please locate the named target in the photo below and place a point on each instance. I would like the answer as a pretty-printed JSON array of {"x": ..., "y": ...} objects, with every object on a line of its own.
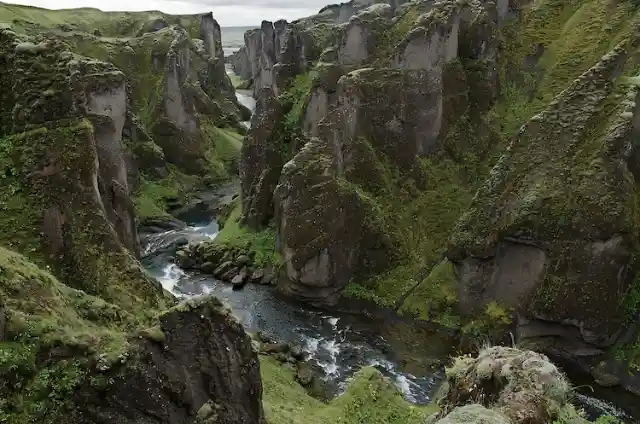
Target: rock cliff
[
  {"x": 74, "y": 358},
  {"x": 370, "y": 129},
  {"x": 85, "y": 120},
  {"x": 410, "y": 128}
]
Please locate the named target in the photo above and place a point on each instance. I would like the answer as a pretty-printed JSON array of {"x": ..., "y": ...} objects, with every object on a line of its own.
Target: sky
[{"x": 226, "y": 12}]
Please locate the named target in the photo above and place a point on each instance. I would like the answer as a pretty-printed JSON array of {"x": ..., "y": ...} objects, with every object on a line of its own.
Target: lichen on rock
[{"x": 506, "y": 385}]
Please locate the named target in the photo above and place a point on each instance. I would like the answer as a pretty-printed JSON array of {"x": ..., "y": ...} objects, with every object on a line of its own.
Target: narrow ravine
[{"x": 338, "y": 343}]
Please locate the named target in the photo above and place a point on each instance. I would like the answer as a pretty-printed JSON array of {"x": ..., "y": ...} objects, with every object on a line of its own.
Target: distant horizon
[{"x": 226, "y": 12}]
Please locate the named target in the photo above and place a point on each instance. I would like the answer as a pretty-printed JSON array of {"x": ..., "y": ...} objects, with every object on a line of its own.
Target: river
[{"x": 339, "y": 343}]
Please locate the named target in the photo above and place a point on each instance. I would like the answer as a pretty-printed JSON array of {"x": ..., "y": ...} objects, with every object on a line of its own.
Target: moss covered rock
[
  {"x": 262, "y": 159},
  {"x": 64, "y": 157},
  {"x": 328, "y": 229},
  {"x": 532, "y": 237},
  {"x": 66, "y": 356},
  {"x": 506, "y": 385}
]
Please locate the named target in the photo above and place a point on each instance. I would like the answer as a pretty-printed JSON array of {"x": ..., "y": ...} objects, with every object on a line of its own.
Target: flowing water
[{"x": 339, "y": 343}]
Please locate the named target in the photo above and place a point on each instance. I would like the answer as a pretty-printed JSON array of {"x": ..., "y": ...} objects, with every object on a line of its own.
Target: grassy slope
[
  {"x": 84, "y": 19},
  {"x": 262, "y": 242},
  {"x": 222, "y": 153},
  {"x": 370, "y": 399},
  {"x": 577, "y": 34},
  {"x": 43, "y": 313}
]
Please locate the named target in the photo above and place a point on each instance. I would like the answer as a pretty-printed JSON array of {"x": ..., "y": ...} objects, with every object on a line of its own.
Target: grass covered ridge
[
  {"x": 370, "y": 399},
  {"x": 108, "y": 24}
]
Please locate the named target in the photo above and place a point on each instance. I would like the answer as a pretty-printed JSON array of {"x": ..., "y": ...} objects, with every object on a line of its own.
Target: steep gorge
[
  {"x": 400, "y": 174},
  {"x": 470, "y": 164}
]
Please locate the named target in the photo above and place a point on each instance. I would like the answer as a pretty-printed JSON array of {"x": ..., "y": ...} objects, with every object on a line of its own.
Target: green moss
[
  {"x": 262, "y": 243},
  {"x": 369, "y": 399},
  {"x": 575, "y": 35},
  {"x": 151, "y": 196},
  {"x": 90, "y": 259},
  {"x": 46, "y": 316},
  {"x": 421, "y": 221},
  {"x": 436, "y": 297},
  {"x": 294, "y": 100},
  {"x": 222, "y": 151}
]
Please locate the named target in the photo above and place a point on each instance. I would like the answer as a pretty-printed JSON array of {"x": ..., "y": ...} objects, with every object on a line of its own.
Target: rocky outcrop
[
  {"x": 195, "y": 84},
  {"x": 253, "y": 45},
  {"x": 66, "y": 160},
  {"x": 231, "y": 264},
  {"x": 328, "y": 231},
  {"x": 241, "y": 64},
  {"x": 536, "y": 245},
  {"x": 322, "y": 95},
  {"x": 433, "y": 41},
  {"x": 262, "y": 159},
  {"x": 358, "y": 37},
  {"x": 506, "y": 385},
  {"x": 204, "y": 366},
  {"x": 105, "y": 363},
  {"x": 297, "y": 52}
]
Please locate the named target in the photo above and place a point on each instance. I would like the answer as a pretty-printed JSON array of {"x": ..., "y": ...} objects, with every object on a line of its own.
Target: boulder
[
  {"x": 474, "y": 414},
  {"x": 509, "y": 385},
  {"x": 229, "y": 275},
  {"x": 305, "y": 373},
  {"x": 273, "y": 348},
  {"x": 240, "y": 280},
  {"x": 257, "y": 276}
]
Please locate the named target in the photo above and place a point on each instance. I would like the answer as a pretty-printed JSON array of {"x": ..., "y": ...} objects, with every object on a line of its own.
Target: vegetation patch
[
  {"x": 53, "y": 333},
  {"x": 421, "y": 221},
  {"x": 370, "y": 399},
  {"x": 261, "y": 243}
]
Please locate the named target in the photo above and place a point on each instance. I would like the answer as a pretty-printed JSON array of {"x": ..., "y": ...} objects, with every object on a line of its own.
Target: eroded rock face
[
  {"x": 69, "y": 158},
  {"x": 204, "y": 358},
  {"x": 379, "y": 115},
  {"x": 359, "y": 37},
  {"x": 433, "y": 42},
  {"x": 262, "y": 159},
  {"x": 107, "y": 110},
  {"x": 536, "y": 244},
  {"x": 298, "y": 51},
  {"x": 399, "y": 113},
  {"x": 326, "y": 235},
  {"x": 195, "y": 86},
  {"x": 241, "y": 64},
  {"x": 323, "y": 95}
]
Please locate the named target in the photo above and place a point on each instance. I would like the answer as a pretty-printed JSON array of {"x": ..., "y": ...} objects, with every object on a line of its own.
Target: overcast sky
[{"x": 226, "y": 12}]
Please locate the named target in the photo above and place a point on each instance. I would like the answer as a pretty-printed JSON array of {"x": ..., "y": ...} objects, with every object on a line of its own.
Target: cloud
[{"x": 226, "y": 12}]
